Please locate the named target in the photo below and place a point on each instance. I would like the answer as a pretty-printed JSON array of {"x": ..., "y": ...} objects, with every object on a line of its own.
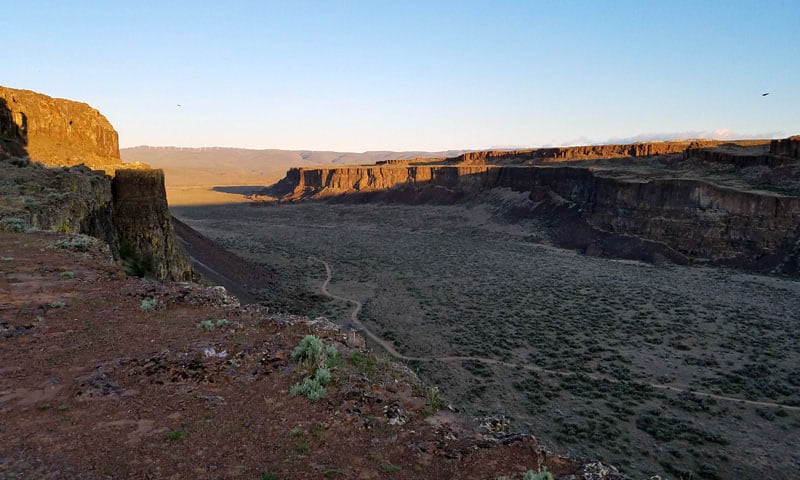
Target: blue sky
[{"x": 402, "y": 75}]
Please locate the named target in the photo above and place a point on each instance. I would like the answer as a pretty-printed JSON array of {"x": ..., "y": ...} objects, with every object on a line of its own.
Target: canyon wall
[
  {"x": 692, "y": 218},
  {"x": 56, "y": 131}
]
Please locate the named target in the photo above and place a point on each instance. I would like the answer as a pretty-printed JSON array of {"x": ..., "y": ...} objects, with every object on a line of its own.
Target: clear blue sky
[{"x": 400, "y": 75}]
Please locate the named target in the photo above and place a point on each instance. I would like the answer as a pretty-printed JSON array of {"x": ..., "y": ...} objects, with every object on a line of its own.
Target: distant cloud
[{"x": 721, "y": 134}]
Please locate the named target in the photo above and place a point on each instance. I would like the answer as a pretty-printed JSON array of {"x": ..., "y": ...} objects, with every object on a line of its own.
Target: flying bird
[
  {"x": 764, "y": 94},
  {"x": 180, "y": 104}
]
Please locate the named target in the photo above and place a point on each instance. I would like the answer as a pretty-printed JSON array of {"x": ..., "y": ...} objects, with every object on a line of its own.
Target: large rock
[
  {"x": 144, "y": 226},
  {"x": 56, "y": 131}
]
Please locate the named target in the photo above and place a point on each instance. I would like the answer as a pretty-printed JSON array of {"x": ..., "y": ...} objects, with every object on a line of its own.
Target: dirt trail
[{"x": 392, "y": 351}]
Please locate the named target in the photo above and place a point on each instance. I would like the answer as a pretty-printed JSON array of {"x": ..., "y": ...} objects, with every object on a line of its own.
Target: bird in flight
[
  {"x": 764, "y": 94},
  {"x": 180, "y": 104}
]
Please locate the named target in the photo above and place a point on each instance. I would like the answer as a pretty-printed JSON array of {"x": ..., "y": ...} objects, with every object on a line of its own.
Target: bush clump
[
  {"x": 309, "y": 351},
  {"x": 78, "y": 243},
  {"x": 12, "y": 224},
  {"x": 148, "y": 304},
  {"x": 317, "y": 363},
  {"x": 209, "y": 325}
]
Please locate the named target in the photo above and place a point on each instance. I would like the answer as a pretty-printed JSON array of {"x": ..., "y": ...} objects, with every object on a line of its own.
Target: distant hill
[{"x": 217, "y": 166}]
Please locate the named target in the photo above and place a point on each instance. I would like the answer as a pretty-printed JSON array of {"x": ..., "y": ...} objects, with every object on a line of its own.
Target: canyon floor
[{"x": 688, "y": 371}]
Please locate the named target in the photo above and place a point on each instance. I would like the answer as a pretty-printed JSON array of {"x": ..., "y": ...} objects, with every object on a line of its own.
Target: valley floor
[{"x": 595, "y": 356}]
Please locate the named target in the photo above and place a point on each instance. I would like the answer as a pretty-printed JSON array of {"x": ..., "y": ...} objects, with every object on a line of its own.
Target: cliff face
[
  {"x": 788, "y": 147},
  {"x": 12, "y": 138},
  {"x": 57, "y": 131},
  {"x": 144, "y": 227},
  {"x": 679, "y": 218}
]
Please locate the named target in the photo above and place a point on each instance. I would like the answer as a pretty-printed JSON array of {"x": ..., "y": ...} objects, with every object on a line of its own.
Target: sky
[{"x": 413, "y": 75}]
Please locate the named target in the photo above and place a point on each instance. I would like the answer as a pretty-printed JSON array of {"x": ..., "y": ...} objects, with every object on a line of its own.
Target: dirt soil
[{"x": 96, "y": 385}]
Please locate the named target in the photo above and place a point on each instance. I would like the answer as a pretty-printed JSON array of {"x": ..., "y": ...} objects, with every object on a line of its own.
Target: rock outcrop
[
  {"x": 144, "y": 226},
  {"x": 788, "y": 147},
  {"x": 596, "y": 210},
  {"x": 56, "y": 131}
]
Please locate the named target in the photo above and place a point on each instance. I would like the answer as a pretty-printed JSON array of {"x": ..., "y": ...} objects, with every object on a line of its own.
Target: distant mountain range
[{"x": 240, "y": 166}]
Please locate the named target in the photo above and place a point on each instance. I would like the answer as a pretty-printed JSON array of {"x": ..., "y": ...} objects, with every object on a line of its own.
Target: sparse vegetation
[
  {"x": 541, "y": 474},
  {"x": 389, "y": 468},
  {"x": 58, "y": 304},
  {"x": 177, "y": 434},
  {"x": 148, "y": 304},
  {"x": 209, "y": 325},
  {"x": 435, "y": 399}
]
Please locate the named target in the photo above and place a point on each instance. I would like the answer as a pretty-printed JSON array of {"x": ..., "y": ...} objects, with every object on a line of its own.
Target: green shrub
[
  {"x": 332, "y": 359},
  {"x": 311, "y": 388},
  {"x": 148, "y": 304},
  {"x": 74, "y": 242},
  {"x": 57, "y": 304},
  {"x": 322, "y": 375},
  {"x": 176, "y": 435},
  {"x": 435, "y": 399},
  {"x": 209, "y": 325},
  {"x": 10, "y": 224},
  {"x": 309, "y": 351},
  {"x": 318, "y": 362},
  {"x": 542, "y": 474}
]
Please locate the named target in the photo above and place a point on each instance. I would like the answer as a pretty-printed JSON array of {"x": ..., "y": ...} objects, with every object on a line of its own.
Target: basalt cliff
[
  {"x": 730, "y": 203},
  {"x": 56, "y": 156},
  {"x": 56, "y": 131}
]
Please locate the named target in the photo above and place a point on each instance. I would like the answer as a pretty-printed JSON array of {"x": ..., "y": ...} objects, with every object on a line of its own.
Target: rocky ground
[{"x": 108, "y": 376}]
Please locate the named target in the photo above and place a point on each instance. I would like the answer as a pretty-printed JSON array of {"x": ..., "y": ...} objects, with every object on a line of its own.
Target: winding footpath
[{"x": 392, "y": 351}]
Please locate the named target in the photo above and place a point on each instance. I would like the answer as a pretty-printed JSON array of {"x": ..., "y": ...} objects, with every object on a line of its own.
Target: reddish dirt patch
[{"x": 94, "y": 387}]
